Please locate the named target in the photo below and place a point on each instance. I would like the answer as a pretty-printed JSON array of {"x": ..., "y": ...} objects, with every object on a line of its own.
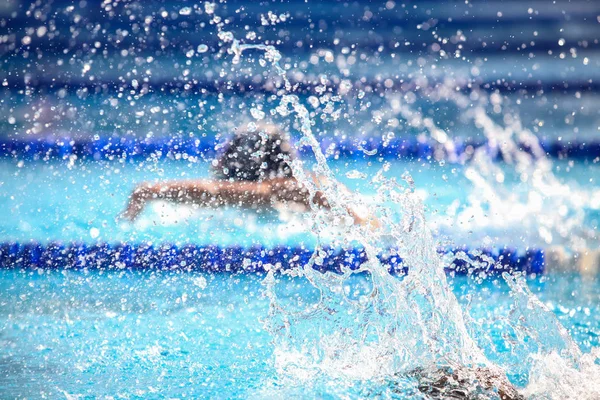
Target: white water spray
[{"x": 398, "y": 326}]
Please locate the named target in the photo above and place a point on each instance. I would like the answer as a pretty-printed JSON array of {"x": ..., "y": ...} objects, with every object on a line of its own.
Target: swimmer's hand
[{"x": 137, "y": 202}]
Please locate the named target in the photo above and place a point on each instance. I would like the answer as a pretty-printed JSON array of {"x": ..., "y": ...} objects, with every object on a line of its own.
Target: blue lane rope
[
  {"x": 108, "y": 148},
  {"x": 168, "y": 257}
]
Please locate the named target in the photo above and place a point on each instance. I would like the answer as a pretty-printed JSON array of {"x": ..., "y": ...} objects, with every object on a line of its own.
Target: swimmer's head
[{"x": 255, "y": 153}]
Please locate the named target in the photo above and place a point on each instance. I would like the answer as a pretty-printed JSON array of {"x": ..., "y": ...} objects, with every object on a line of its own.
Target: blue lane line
[
  {"x": 108, "y": 148},
  {"x": 168, "y": 257}
]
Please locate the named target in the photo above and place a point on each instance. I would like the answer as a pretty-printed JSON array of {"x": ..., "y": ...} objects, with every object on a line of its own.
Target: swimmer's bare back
[{"x": 217, "y": 193}]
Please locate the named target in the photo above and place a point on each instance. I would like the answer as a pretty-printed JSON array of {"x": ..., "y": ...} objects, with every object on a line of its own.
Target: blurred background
[{"x": 157, "y": 68}]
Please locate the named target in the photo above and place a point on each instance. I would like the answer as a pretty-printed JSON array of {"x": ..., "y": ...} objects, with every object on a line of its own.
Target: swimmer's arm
[
  {"x": 289, "y": 190},
  {"x": 205, "y": 193},
  {"x": 214, "y": 193}
]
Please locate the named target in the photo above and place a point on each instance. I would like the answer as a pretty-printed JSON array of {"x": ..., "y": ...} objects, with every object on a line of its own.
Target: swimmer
[{"x": 252, "y": 172}]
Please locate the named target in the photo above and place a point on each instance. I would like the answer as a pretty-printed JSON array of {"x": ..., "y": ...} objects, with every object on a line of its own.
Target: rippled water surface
[{"x": 172, "y": 335}]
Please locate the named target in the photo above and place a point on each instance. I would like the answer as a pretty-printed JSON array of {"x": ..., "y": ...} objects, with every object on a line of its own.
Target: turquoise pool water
[
  {"x": 190, "y": 335},
  {"x": 58, "y": 201}
]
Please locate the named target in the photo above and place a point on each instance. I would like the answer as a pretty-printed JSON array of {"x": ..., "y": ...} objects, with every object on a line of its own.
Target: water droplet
[{"x": 185, "y": 11}]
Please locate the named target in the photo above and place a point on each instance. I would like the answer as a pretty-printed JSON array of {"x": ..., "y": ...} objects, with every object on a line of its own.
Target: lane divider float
[{"x": 190, "y": 257}]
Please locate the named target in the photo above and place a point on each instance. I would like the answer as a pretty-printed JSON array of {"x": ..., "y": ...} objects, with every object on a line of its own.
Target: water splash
[
  {"x": 385, "y": 327},
  {"x": 400, "y": 325},
  {"x": 549, "y": 211}
]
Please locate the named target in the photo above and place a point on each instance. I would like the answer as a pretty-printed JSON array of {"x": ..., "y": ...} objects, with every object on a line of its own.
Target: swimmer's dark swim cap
[{"x": 255, "y": 155}]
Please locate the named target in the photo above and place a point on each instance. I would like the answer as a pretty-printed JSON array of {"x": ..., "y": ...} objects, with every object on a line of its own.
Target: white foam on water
[{"x": 544, "y": 209}]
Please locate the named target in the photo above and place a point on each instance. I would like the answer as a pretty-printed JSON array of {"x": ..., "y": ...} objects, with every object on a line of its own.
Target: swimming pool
[
  {"x": 192, "y": 334},
  {"x": 469, "y": 130},
  {"x": 179, "y": 326}
]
